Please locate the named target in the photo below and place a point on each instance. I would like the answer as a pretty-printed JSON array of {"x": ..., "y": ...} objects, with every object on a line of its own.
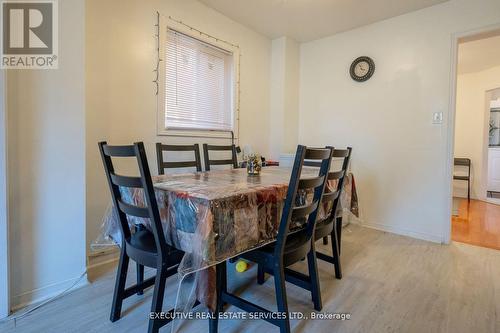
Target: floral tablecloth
[{"x": 214, "y": 216}]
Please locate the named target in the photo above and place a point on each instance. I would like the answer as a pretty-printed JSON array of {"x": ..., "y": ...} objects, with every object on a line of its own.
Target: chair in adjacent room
[
  {"x": 146, "y": 248},
  {"x": 291, "y": 246},
  {"x": 466, "y": 162},
  {"x": 162, "y": 152},
  {"x": 233, "y": 160}
]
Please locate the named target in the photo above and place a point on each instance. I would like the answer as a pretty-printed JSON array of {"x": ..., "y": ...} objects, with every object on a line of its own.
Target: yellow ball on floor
[{"x": 241, "y": 266}]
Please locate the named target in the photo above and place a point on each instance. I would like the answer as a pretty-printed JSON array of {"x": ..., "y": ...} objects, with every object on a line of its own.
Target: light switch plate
[{"x": 437, "y": 118}]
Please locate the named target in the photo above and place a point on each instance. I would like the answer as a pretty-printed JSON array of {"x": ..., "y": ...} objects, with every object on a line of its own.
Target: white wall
[
  {"x": 471, "y": 127},
  {"x": 285, "y": 63},
  {"x": 121, "y": 105},
  {"x": 277, "y": 95},
  {"x": 46, "y": 167},
  {"x": 292, "y": 83},
  {"x": 399, "y": 158}
]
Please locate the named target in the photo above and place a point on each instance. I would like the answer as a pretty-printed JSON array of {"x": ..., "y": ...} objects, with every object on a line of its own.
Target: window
[{"x": 198, "y": 85}]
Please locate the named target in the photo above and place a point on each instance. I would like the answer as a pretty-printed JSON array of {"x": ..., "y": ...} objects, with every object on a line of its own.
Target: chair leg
[
  {"x": 223, "y": 266},
  {"x": 158, "y": 293},
  {"x": 140, "y": 277},
  {"x": 221, "y": 286},
  {"x": 336, "y": 254},
  {"x": 279, "y": 281},
  {"x": 325, "y": 240},
  {"x": 260, "y": 274},
  {"x": 121, "y": 277},
  {"x": 468, "y": 189},
  {"x": 338, "y": 226},
  {"x": 314, "y": 276}
]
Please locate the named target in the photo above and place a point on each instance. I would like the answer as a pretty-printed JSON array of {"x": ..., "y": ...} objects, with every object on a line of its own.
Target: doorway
[
  {"x": 475, "y": 214},
  {"x": 493, "y": 180}
]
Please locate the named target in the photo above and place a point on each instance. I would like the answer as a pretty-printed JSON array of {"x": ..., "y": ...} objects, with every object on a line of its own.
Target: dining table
[{"x": 217, "y": 215}]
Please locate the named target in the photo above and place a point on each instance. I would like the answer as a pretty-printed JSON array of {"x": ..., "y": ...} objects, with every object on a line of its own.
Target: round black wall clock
[{"x": 362, "y": 69}]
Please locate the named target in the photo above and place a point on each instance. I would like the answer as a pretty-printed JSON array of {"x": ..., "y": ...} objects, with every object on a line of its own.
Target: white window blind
[{"x": 198, "y": 85}]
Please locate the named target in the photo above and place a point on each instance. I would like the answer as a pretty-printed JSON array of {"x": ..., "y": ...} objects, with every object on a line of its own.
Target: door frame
[
  {"x": 455, "y": 40},
  {"x": 4, "y": 220},
  {"x": 486, "y": 156}
]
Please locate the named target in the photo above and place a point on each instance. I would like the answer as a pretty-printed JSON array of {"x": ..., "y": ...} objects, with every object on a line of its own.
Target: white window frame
[{"x": 166, "y": 24}]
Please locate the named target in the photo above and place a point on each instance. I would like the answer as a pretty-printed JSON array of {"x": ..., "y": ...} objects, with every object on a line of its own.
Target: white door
[{"x": 494, "y": 169}]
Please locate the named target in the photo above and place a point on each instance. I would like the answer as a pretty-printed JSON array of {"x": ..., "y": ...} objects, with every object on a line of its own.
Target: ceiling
[
  {"x": 306, "y": 20},
  {"x": 479, "y": 55}
]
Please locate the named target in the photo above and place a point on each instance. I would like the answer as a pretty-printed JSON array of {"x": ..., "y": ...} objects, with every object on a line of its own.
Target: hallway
[{"x": 477, "y": 223}]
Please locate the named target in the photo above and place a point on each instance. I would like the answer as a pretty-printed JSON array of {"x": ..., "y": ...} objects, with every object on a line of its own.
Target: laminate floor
[{"x": 391, "y": 283}]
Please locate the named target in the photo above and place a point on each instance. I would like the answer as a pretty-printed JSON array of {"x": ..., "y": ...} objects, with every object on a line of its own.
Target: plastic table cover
[{"x": 214, "y": 216}]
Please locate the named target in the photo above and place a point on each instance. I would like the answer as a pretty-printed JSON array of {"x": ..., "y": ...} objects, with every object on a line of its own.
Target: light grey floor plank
[{"x": 391, "y": 284}]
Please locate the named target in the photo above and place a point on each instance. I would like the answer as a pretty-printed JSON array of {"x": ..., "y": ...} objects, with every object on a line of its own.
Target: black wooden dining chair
[
  {"x": 331, "y": 225},
  {"x": 163, "y": 164},
  {"x": 229, "y": 161},
  {"x": 146, "y": 248},
  {"x": 290, "y": 246}
]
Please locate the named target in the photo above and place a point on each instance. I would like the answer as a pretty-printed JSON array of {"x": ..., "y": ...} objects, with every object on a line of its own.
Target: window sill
[{"x": 196, "y": 134}]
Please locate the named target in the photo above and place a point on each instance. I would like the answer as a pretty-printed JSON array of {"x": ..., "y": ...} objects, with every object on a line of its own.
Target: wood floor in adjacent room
[
  {"x": 477, "y": 223},
  {"x": 391, "y": 284}
]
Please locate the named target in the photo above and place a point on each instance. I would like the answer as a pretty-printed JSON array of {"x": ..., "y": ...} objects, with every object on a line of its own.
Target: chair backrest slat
[
  {"x": 163, "y": 164},
  {"x": 119, "y": 151},
  {"x": 126, "y": 181},
  {"x": 306, "y": 183},
  {"x": 462, "y": 161},
  {"x": 312, "y": 164},
  {"x": 336, "y": 175},
  {"x": 209, "y": 162},
  {"x": 303, "y": 211},
  {"x": 221, "y": 162},
  {"x": 330, "y": 196},
  {"x": 296, "y": 185},
  {"x": 341, "y": 153},
  {"x": 316, "y": 154},
  {"x": 216, "y": 147},
  {"x": 132, "y": 210},
  {"x": 186, "y": 164}
]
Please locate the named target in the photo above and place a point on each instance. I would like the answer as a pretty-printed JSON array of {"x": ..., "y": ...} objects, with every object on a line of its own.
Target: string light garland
[
  {"x": 203, "y": 33},
  {"x": 158, "y": 58}
]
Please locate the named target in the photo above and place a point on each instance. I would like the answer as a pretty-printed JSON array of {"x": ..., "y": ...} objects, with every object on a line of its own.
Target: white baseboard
[
  {"x": 95, "y": 260},
  {"x": 102, "y": 254},
  {"x": 44, "y": 293},
  {"x": 98, "y": 263},
  {"x": 400, "y": 231},
  {"x": 495, "y": 201},
  {"x": 472, "y": 197}
]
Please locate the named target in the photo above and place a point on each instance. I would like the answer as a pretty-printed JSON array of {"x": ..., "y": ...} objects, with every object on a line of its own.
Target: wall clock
[{"x": 362, "y": 69}]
